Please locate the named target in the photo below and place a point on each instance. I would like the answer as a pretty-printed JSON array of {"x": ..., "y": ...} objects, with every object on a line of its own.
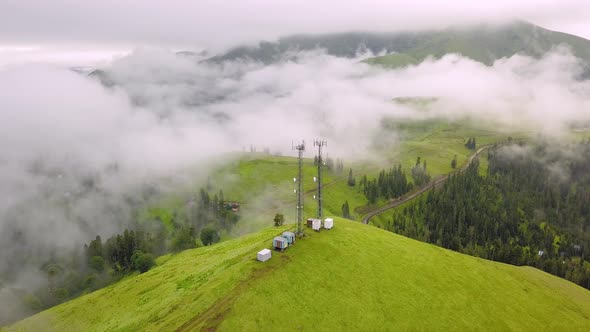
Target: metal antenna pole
[
  {"x": 320, "y": 144},
  {"x": 300, "y": 148}
]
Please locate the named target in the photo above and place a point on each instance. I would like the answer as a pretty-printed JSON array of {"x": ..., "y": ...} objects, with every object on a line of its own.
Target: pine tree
[
  {"x": 346, "y": 210},
  {"x": 330, "y": 164},
  {"x": 205, "y": 199},
  {"x": 95, "y": 248},
  {"x": 215, "y": 205},
  {"x": 279, "y": 219},
  {"x": 351, "y": 180},
  {"x": 221, "y": 200}
]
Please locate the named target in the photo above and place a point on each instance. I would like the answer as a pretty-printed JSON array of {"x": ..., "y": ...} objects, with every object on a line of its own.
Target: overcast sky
[{"x": 74, "y": 28}]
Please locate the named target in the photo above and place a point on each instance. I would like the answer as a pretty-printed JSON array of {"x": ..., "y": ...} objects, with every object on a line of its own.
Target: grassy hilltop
[{"x": 354, "y": 277}]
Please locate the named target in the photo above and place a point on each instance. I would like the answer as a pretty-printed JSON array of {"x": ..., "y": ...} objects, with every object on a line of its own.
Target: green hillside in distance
[
  {"x": 395, "y": 60},
  {"x": 484, "y": 43},
  {"x": 353, "y": 277},
  {"x": 263, "y": 183}
]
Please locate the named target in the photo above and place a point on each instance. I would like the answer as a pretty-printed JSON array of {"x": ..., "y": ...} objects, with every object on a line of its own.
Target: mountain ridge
[{"x": 484, "y": 43}]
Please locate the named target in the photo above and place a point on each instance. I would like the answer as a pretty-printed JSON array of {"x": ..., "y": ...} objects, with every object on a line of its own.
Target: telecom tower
[
  {"x": 300, "y": 148},
  {"x": 320, "y": 144}
]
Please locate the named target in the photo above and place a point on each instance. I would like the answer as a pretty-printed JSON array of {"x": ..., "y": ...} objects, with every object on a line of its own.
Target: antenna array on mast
[
  {"x": 320, "y": 144},
  {"x": 299, "y": 191}
]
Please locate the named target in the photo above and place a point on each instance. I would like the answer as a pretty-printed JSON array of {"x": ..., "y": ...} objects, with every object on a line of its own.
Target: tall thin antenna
[
  {"x": 300, "y": 148},
  {"x": 320, "y": 144}
]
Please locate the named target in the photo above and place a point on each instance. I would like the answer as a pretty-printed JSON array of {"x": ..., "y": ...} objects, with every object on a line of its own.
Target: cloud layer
[
  {"x": 77, "y": 155},
  {"x": 213, "y": 24},
  {"x": 168, "y": 113}
]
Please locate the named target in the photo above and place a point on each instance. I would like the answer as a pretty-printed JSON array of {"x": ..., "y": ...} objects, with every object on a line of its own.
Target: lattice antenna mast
[
  {"x": 299, "y": 191},
  {"x": 320, "y": 144}
]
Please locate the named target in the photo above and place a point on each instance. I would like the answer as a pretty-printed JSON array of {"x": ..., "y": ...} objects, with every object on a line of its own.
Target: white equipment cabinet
[
  {"x": 263, "y": 255},
  {"x": 328, "y": 223}
]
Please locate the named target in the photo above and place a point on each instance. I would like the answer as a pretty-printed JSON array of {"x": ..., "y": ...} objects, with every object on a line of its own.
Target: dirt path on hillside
[{"x": 410, "y": 196}]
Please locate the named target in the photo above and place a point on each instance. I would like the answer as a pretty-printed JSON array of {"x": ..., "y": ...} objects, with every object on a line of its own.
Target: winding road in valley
[{"x": 408, "y": 197}]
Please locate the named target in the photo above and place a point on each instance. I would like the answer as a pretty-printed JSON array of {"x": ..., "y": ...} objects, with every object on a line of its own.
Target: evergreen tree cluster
[
  {"x": 279, "y": 219},
  {"x": 420, "y": 172},
  {"x": 119, "y": 250},
  {"x": 214, "y": 211},
  {"x": 101, "y": 263},
  {"x": 389, "y": 184},
  {"x": 533, "y": 208}
]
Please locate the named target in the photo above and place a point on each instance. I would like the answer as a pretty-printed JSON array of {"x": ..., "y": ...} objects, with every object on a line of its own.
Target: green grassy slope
[
  {"x": 393, "y": 60},
  {"x": 438, "y": 141},
  {"x": 354, "y": 277},
  {"x": 486, "y": 44},
  {"x": 264, "y": 183}
]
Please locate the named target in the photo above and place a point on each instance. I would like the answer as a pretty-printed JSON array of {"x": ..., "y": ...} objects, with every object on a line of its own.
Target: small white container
[
  {"x": 328, "y": 223},
  {"x": 316, "y": 224},
  {"x": 264, "y": 255}
]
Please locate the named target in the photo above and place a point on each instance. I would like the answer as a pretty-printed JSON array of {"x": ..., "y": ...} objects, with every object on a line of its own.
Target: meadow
[
  {"x": 263, "y": 183},
  {"x": 353, "y": 277}
]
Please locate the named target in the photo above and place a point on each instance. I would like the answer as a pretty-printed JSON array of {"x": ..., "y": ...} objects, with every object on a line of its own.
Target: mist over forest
[{"x": 84, "y": 150}]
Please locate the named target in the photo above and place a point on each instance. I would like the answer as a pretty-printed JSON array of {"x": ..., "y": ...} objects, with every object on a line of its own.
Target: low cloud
[
  {"x": 78, "y": 156},
  {"x": 214, "y": 24}
]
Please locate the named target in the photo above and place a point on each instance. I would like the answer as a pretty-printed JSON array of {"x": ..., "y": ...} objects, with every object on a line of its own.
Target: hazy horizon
[
  {"x": 80, "y": 152},
  {"x": 35, "y": 32}
]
